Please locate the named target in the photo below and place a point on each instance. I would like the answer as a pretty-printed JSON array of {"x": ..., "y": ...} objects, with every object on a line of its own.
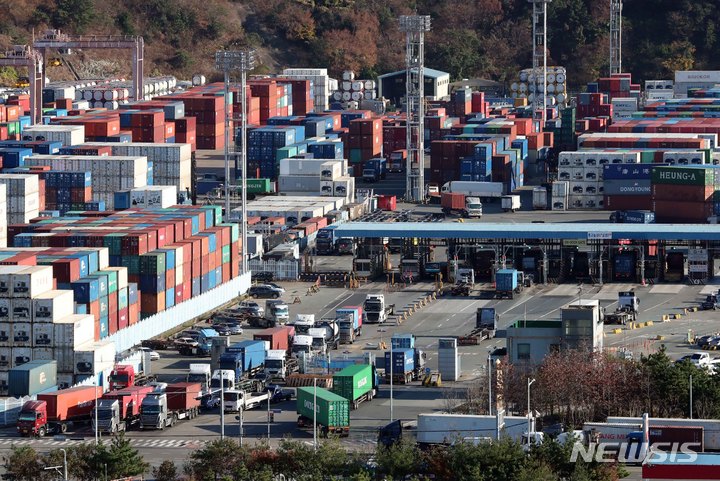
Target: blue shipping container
[
  {"x": 506, "y": 280},
  {"x": 403, "y": 361},
  {"x": 626, "y": 171}
]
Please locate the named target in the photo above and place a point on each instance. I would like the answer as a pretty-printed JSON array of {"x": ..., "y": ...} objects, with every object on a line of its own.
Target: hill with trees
[{"x": 476, "y": 38}]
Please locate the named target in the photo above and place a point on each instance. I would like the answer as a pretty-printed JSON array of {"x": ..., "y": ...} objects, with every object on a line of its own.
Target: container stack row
[
  {"x": 315, "y": 177},
  {"x": 530, "y": 84},
  {"x": 320, "y": 85},
  {"x": 351, "y": 91},
  {"x": 22, "y": 198},
  {"x": 685, "y": 194}
]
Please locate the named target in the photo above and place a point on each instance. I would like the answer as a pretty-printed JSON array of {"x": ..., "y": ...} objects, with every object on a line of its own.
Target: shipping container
[
  {"x": 331, "y": 411},
  {"x": 32, "y": 378},
  {"x": 355, "y": 383}
]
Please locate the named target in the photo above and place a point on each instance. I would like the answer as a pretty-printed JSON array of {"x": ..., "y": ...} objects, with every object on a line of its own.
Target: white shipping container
[
  {"x": 6, "y": 273},
  {"x": 326, "y": 187},
  {"x": 43, "y": 354},
  {"x": 5, "y": 308},
  {"x": 65, "y": 357},
  {"x": 94, "y": 357},
  {"x": 122, "y": 275},
  {"x": 5, "y": 358},
  {"x": 52, "y": 305},
  {"x": 344, "y": 187},
  {"x": 154, "y": 196},
  {"x": 67, "y": 134},
  {"x": 32, "y": 281},
  {"x": 74, "y": 331},
  {"x": 4, "y": 378},
  {"x": 22, "y": 334},
  {"x": 443, "y": 428},
  {"x": 22, "y": 310},
  {"x": 43, "y": 335},
  {"x": 20, "y": 355},
  {"x": 5, "y": 334},
  {"x": 712, "y": 76},
  {"x": 19, "y": 185}
]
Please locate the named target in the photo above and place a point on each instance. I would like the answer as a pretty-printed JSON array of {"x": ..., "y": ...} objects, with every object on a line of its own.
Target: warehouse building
[{"x": 392, "y": 85}]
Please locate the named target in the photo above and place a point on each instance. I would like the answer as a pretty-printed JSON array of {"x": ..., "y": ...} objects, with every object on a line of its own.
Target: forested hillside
[{"x": 470, "y": 38}]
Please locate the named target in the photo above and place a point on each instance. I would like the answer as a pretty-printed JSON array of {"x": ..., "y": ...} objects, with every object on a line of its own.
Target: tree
[
  {"x": 167, "y": 471},
  {"x": 23, "y": 464},
  {"x": 120, "y": 458},
  {"x": 218, "y": 460},
  {"x": 399, "y": 460}
]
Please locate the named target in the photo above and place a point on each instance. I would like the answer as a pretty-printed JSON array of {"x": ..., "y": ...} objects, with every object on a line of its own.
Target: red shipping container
[
  {"x": 133, "y": 314},
  {"x": 683, "y": 193},
  {"x": 152, "y": 303},
  {"x": 123, "y": 318},
  {"x": 387, "y": 202},
  {"x": 169, "y": 278}
]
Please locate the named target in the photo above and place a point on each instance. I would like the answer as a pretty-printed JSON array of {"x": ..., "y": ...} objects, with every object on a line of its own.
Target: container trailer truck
[
  {"x": 201, "y": 373},
  {"x": 179, "y": 401},
  {"x": 56, "y": 412},
  {"x": 357, "y": 383},
  {"x": 328, "y": 410},
  {"x": 118, "y": 410}
]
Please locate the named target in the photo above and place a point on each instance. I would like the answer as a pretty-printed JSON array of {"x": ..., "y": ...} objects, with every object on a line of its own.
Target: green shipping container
[
  {"x": 683, "y": 175},
  {"x": 225, "y": 254},
  {"x": 153, "y": 263},
  {"x": 332, "y": 410},
  {"x": 112, "y": 280},
  {"x": 259, "y": 186},
  {"x": 355, "y": 156},
  {"x": 32, "y": 378},
  {"x": 214, "y": 214},
  {"x": 353, "y": 381},
  {"x": 234, "y": 231},
  {"x": 284, "y": 153}
]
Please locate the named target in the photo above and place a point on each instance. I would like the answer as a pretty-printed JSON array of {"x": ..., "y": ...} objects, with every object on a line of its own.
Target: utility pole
[
  {"x": 530, "y": 381},
  {"x": 616, "y": 7},
  {"x": 415, "y": 27},
  {"x": 540, "y": 57},
  {"x": 227, "y": 62}
]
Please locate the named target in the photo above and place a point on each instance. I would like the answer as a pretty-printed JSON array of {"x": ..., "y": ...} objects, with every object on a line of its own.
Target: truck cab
[
  {"x": 303, "y": 322},
  {"x": 277, "y": 311},
  {"x": 302, "y": 345},
  {"x": 121, "y": 377},
  {"x": 347, "y": 329},
  {"x": 200, "y": 373},
  {"x": 228, "y": 380},
  {"x": 109, "y": 416},
  {"x": 628, "y": 300},
  {"x": 473, "y": 207},
  {"x": 345, "y": 245},
  {"x": 32, "y": 419},
  {"x": 466, "y": 275},
  {"x": 278, "y": 365},
  {"x": 375, "y": 310},
  {"x": 154, "y": 412},
  {"x": 319, "y": 341},
  {"x": 325, "y": 240}
]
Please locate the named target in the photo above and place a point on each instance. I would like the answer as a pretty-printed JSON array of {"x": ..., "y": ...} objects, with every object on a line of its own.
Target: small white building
[{"x": 392, "y": 85}]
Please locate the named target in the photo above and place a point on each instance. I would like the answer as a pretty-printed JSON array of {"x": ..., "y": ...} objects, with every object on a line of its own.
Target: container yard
[{"x": 364, "y": 222}]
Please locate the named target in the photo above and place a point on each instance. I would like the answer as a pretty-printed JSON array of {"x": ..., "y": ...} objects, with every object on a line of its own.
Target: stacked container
[
  {"x": 23, "y": 197},
  {"x": 352, "y": 91},
  {"x": 66, "y": 191},
  {"x": 319, "y": 82},
  {"x": 365, "y": 140},
  {"x": 685, "y": 194},
  {"x": 627, "y": 186},
  {"x": 530, "y": 84},
  {"x": 152, "y": 196},
  {"x": 66, "y": 134},
  {"x": 109, "y": 174},
  {"x": 264, "y": 144}
]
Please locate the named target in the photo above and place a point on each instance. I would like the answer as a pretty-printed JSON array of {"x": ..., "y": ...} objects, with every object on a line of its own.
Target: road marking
[{"x": 517, "y": 304}]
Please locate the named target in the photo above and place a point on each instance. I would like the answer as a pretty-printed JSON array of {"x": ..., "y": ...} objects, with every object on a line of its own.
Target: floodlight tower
[
  {"x": 415, "y": 27},
  {"x": 227, "y": 62},
  {"x": 540, "y": 56},
  {"x": 616, "y": 36}
]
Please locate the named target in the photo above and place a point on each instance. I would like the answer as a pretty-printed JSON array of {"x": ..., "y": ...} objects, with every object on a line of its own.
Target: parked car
[
  {"x": 154, "y": 356},
  {"x": 185, "y": 342},
  {"x": 222, "y": 330},
  {"x": 264, "y": 276},
  {"x": 265, "y": 291}
]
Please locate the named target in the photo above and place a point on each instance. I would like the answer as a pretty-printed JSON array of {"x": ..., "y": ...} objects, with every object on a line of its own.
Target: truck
[
  {"x": 202, "y": 374},
  {"x": 711, "y": 427},
  {"x": 402, "y": 367},
  {"x": 227, "y": 376},
  {"x": 375, "y": 169},
  {"x": 628, "y": 300},
  {"x": 325, "y": 334},
  {"x": 126, "y": 375},
  {"x": 239, "y": 400},
  {"x": 376, "y": 311},
  {"x": 55, "y": 412},
  {"x": 506, "y": 283},
  {"x": 163, "y": 409},
  {"x": 325, "y": 241},
  {"x": 245, "y": 358},
  {"x": 510, "y": 203},
  {"x": 276, "y": 312},
  {"x": 350, "y": 321},
  {"x": 118, "y": 410},
  {"x": 633, "y": 217},
  {"x": 303, "y": 322},
  {"x": 345, "y": 245},
  {"x": 710, "y": 303},
  {"x": 357, "y": 383},
  {"x": 483, "y": 190},
  {"x": 328, "y": 410},
  {"x": 303, "y": 345},
  {"x": 396, "y": 163},
  {"x": 486, "y": 321},
  {"x": 278, "y": 337},
  {"x": 621, "y": 315},
  {"x": 278, "y": 366},
  {"x": 446, "y": 429}
]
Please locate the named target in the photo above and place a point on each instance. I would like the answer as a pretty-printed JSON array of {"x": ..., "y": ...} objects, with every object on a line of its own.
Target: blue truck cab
[{"x": 375, "y": 169}]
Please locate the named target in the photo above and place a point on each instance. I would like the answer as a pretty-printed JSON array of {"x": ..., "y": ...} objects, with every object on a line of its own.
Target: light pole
[
  {"x": 391, "y": 381},
  {"x": 691, "y": 403},
  {"x": 489, "y": 359},
  {"x": 222, "y": 405},
  {"x": 244, "y": 61},
  {"x": 240, "y": 425},
  {"x": 315, "y": 414},
  {"x": 530, "y": 381},
  {"x": 268, "y": 418},
  {"x": 64, "y": 472}
]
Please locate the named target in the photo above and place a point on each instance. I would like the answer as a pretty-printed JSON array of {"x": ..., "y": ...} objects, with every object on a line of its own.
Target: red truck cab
[
  {"x": 32, "y": 419},
  {"x": 122, "y": 376}
]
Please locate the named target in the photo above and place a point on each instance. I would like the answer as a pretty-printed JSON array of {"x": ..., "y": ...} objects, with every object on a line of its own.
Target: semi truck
[
  {"x": 396, "y": 163},
  {"x": 443, "y": 428},
  {"x": 510, "y": 203},
  {"x": 118, "y": 410},
  {"x": 460, "y": 204},
  {"x": 325, "y": 241},
  {"x": 162, "y": 410},
  {"x": 403, "y": 366},
  {"x": 244, "y": 358},
  {"x": 711, "y": 427},
  {"x": 376, "y": 311},
  {"x": 303, "y": 345},
  {"x": 628, "y": 300},
  {"x": 330, "y": 333},
  {"x": 350, "y": 320},
  {"x": 55, "y": 412},
  {"x": 374, "y": 169},
  {"x": 126, "y": 375},
  {"x": 278, "y": 365},
  {"x": 328, "y": 410},
  {"x": 303, "y": 322},
  {"x": 202, "y": 374},
  {"x": 506, "y": 283},
  {"x": 357, "y": 383},
  {"x": 277, "y": 337},
  {"x": 486, "y": 321},
  {"x": 240, "y": 400},
  {"x": 483, "y": 190},
  {"x": 276, "y": 312}
]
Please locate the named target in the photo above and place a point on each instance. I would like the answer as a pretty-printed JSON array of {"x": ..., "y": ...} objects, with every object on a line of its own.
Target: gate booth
[{"x": 674, "y": 265}]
